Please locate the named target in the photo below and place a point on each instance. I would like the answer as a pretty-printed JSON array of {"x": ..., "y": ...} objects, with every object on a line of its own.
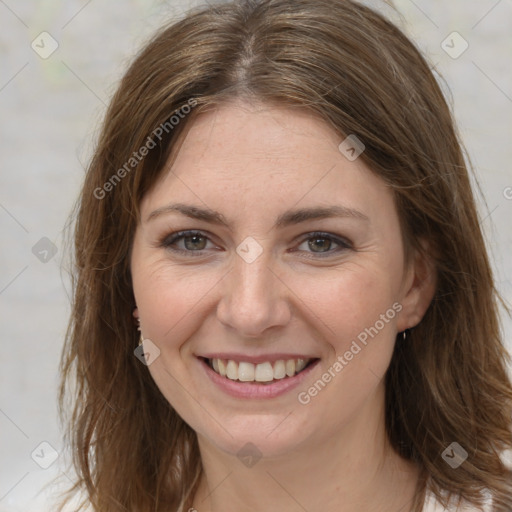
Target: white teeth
[
  {"x": 262, "y": 372},
  {"x": 279, "y": 370},
  {"x": 245, "y": 372},
  {"x": 232, "y": 370},
  {"x": 290, "y": 367},
  {"x": 222, "y": 367}
]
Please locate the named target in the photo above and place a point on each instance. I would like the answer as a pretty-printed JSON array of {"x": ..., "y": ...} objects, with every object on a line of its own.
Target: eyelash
[{"x": 172, "y": 238}]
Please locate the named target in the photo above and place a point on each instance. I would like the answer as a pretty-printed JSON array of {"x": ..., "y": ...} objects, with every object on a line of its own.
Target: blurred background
[{"x": 60, "y": 62}]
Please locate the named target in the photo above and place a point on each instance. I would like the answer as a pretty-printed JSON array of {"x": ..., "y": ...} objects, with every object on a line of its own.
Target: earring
[
  {"x": 405, "y": 333},
  {"x": 135, "y": 315}
]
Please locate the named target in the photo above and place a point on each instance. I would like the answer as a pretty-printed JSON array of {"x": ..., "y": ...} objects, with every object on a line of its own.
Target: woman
[{"x": 283, "y": 300}]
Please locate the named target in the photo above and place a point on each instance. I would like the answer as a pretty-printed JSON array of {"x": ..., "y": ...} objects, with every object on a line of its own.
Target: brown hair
[{"x": 343, "y": 61}]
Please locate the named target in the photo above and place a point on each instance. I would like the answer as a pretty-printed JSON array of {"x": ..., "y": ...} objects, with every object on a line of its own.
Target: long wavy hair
[{"x": 347, "y": 63}]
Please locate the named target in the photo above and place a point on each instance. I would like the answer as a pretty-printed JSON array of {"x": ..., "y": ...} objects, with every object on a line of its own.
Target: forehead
[
  {"x": 255, "y": 133},
  {"x": 265, "y": 157}
]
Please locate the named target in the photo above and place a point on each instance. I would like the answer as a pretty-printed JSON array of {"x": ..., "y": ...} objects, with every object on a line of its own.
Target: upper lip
[{"x": 263, "y": 358}]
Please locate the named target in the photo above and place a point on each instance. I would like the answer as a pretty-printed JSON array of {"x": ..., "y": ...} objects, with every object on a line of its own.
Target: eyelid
[{"x": 342, "y": 242}]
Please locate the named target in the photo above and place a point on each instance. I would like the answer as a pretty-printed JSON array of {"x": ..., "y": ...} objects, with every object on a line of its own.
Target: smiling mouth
[{"x": 262, "y": 373}]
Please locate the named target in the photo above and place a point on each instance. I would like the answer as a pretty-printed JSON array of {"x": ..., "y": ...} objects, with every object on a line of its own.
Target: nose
[{"x": 254, "y": 298}]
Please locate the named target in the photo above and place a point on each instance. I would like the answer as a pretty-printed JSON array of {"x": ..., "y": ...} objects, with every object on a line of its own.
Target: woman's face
[{"x": 295, "y": 254}]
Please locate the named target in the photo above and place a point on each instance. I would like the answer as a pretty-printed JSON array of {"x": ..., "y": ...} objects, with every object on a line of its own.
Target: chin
[{"x": 257, "y": 435}]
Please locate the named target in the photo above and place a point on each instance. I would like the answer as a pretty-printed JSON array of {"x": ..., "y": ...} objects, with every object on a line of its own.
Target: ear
[{"x": 418, "y": 288}]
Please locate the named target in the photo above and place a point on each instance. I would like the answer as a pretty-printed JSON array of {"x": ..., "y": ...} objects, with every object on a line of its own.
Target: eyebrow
[{"x": 288, "y": 218}]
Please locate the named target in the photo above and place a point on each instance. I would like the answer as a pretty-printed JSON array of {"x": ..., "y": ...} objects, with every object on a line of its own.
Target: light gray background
[{"x": 50, "y": 110}]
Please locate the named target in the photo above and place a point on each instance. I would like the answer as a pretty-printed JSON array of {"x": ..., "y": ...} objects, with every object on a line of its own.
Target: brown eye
[
  {"x": 185, "y": 242},
  {"x": 193, "y": 242},
  {"x": 321, "y": 244}
]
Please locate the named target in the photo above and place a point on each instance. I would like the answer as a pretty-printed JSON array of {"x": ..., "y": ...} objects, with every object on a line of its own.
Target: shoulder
[{"x": 433, "y": 505}]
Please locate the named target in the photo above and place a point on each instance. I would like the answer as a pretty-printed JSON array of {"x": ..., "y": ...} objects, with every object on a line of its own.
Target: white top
[{"x": 432, "y": 505}]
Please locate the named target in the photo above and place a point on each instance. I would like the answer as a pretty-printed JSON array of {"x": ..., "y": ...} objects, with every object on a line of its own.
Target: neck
[{"x": 354, "y": 470}]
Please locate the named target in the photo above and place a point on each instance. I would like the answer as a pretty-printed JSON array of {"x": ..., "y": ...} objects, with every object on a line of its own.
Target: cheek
[
  {"x": 174, "y": 301},
  {"x": 171, "y": 303},
  {"x": 351, "y": 301},
  {"x": 169, "y": 298},
  {"x": 358, "y": 313}
]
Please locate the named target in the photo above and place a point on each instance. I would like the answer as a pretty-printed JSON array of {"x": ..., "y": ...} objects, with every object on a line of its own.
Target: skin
[{"x": 251, "y": 163}]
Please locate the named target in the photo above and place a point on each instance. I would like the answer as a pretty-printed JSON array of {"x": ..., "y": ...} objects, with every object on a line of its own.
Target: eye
[
  {"x": 191, "y": 241},
  {"x": 320, "y": 244}
]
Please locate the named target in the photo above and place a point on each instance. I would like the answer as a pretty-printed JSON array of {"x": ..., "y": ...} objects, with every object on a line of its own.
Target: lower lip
[{"x": 257, "y": 390}]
